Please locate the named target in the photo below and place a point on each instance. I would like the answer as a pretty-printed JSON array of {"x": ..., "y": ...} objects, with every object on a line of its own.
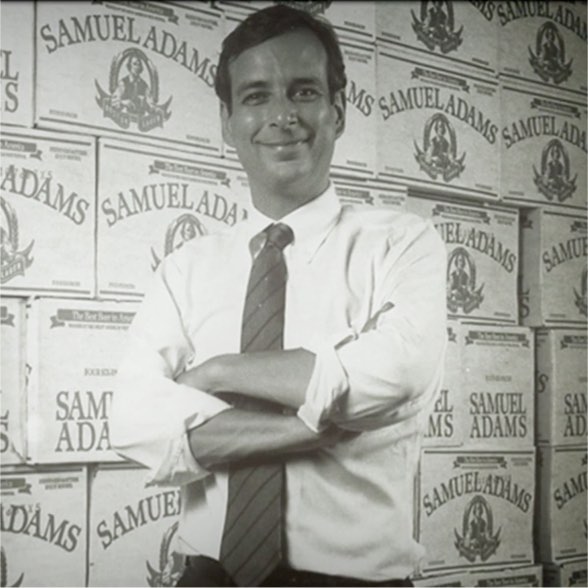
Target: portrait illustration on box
[
  {"x": 438, "y": 156},
  {"x": 182, "y": 229},
  {"x": 171, "y": 563},
  {"x": 553, "y": 180},
  {"x": 477, "y": 538},
  {"x": 461, "y": 282},
  {"x": 549, "y": 59},
  {"x": 12, "y": 261},
  {"x": 582, "y": 293},
  {"x": 4, "y": 571},
  {"x": 435, "y": 26},
  {"x": 133, "y": 92}
]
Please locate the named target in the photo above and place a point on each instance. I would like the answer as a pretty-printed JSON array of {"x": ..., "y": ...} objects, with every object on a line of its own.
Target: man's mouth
[{"x": 283, "y": 144}]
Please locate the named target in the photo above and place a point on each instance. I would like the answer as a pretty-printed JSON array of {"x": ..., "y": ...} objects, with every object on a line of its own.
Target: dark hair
[{"x": 272, "y": 22}]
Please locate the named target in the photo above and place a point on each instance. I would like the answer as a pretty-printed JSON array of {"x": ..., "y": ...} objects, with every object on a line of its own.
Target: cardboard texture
[
  {"x": 44, "y": 526},
  {"x": 161, "y": 199},
  {"x": 143, "y": 69},
  {"x": 69, "y": 401},
  {"x": 132, "y": 530},
  {"x": 475, "y": 509},
  {"x": 48, "y": 202},
  {"x": 482, "y": 257},
  {"x": 12, "y": 391},
  {"x": 553, "y": 274},
  {"x": 17, "y": 24}
]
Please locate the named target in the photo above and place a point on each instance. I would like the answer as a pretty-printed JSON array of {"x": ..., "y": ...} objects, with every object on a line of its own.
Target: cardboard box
[
  {"x": 17, "y": 62},
  {"x": 482, "y": 263},
  {"x": 561, "y": 404},
  {"x": 369, "y": 192},
  {"x": 457, "y": 579},
  {"x": 12, "y": 391},
  {"x": 462, "y": 32},
  {"x": 561, "y": 494},
  {"x": 48, "y": 202},
  {"x": 553, "y": 290},
  {"x": 446, "y": 424},
  {"x": 143, "y": 69},
  {"x": 475, "y": 509},
  {"x": 498, "y": 381},
  {"x": 355, "y": 150},
  {"x": 439, "y": 129},
  {"x": 161, "y": 198},
  {"x": 43, "y": 513},
  {"x": 132, "y": 530},
  {"x": 74, "y": 350},
  {"x": 543, "y": 148},
  {"x": 544, "y": 43},
  {"x": 571, "y": 573},
  {"x": 524, "y": 576}
]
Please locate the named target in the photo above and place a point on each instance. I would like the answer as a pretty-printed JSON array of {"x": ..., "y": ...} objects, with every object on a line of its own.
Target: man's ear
[
  {"x": 226, "y": 124},
  {"x": 339, "y": 104}
]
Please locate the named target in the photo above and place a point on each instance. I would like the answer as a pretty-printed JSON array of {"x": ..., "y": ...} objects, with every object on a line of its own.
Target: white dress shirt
[{"x": 366, "y": 294}]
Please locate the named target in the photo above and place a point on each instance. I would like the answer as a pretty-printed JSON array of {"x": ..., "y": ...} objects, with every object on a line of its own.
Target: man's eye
[
  {"x": 307, "y": 93},
  {"x": 255, "y": 98}
]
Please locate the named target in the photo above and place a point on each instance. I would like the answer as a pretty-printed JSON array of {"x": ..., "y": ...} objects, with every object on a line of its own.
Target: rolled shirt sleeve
[
  {"x": 151, "y": 414},
  {"x": 392, "y": 368}
]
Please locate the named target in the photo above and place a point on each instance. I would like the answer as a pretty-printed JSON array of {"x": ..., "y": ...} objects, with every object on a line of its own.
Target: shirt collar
[{"x": 310, "y": 223}]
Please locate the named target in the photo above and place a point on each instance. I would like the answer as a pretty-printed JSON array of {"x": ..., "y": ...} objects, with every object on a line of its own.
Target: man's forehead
[{"x": 293, "y": 52}]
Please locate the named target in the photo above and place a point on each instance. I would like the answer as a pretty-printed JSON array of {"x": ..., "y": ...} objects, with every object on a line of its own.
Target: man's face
[{"x": 283, "y": 123}]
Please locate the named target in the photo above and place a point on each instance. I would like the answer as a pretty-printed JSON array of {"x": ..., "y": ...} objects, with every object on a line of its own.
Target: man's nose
[{"x": 284, "y": 113}]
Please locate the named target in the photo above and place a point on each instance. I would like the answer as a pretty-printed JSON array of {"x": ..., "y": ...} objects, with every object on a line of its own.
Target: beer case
[
  {"x": 571, "y": 573},
  {"x": 446, "y": 421},
  {"x": 462, "y": 578},
  {"x": 560, "y": 376},
  {"x": 12, "y": 391},
  {"x": 543, "y": 148},
  {"x": 48, "y": 202},
  {"x": 74, "y": 348},
  {"x": 482, "y": 263},
  {"x": 17, "y": 62},
  {"x": 561, "y": 512},
  {"x": 44, "y": 526},
  {"x": 553, "y": 268},
  {"x": 544, "y": 43},
  {"x": 132, "y": 530},
  {"x": 462, "y": 33},
  {"x": 355, "y": 149},
  {"x": 523, "y": 576},
  {"x": 475, "y": 509},
  {"x": 369, "y": 192},
  {"x": 498, "y": 374},
  {"x": 143, "y": 69},
  {"x": 438, "y": 128},
  {"x": 161, "y": 199}
]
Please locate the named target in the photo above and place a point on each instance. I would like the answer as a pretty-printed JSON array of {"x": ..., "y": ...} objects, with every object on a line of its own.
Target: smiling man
[{"x": 279, "y": 372}]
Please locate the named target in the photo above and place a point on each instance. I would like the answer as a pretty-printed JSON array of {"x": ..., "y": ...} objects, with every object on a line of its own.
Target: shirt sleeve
[
  {"x": 151, "y": 414},
  {"x": 393, "y": 367}
]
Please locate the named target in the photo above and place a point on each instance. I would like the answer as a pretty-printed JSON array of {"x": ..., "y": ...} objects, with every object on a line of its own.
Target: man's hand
[{"x": 202, "y": 376}]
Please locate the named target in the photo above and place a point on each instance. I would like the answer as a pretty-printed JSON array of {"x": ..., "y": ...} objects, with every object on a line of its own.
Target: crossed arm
[{"x": 240, "y": 435}]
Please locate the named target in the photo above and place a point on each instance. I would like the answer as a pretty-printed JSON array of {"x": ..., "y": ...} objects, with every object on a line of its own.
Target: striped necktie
[{"x": 251, "y": 542}]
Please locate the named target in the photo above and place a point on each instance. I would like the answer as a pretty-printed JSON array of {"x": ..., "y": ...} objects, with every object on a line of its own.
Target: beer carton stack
[
  {"x": 542, "y": 71},
  {"x": 471, "y": 114}
]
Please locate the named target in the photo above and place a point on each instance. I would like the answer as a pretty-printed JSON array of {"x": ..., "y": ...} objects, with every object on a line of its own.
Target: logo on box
[{"x": 12, "y": 261}]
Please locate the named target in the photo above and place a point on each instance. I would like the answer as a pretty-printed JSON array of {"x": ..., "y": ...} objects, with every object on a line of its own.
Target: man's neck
[{"x": 277, "y": 204}]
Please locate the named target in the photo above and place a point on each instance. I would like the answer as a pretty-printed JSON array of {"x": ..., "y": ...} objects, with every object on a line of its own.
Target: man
[{"x": 363, "y": 339}]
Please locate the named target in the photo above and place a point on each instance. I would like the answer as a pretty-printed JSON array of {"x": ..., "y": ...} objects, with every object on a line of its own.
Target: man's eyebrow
[{"x": 262, "y": 84}]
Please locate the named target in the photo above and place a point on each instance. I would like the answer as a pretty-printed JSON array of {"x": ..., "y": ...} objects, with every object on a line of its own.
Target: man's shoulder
[{"x": 386, "y": 220}]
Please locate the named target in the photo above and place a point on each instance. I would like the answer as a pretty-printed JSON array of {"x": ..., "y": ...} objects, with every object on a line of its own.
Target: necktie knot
[{"x": 279, "y": 235}]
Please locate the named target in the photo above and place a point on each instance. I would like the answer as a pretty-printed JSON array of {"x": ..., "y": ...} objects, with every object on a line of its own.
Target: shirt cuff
[{"x": 328, "y": 383}]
